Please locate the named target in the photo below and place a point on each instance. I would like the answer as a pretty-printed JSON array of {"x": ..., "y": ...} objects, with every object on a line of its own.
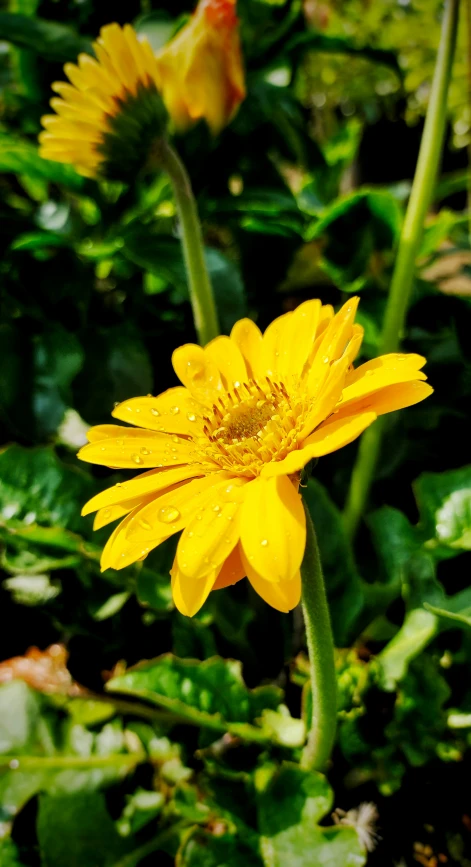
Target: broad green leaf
[
  {"x": 20, "y": 156},
  {"x": 77, "y": 830},
  {"x": 290, "y": 805},
  {"x": 57, "y": 359},
  {"x": 142, "y": 806},
  {"x": 344, "y": 585},
  {"x": 444, "y": 501},
  {"x": 416, "y": 632},
  {"x": 202, "y": 849},
  {"x": 55, "y": 42},
  {"x": 35, "y": 487},
  {"x": 211, "y": 694},
  {"x": 41, "y": 750}
]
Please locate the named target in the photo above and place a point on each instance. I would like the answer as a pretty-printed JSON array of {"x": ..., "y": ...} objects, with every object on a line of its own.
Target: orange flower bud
[{"x": 201, "y": 68}]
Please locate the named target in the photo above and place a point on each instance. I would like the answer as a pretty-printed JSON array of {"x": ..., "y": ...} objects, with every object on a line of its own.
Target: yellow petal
[
  {"x": 227, "y": 357},
  {"x": 273, "y": 528},
  {"x": 327, "y": 398},
  {"x": 119, "y": 552},
  {"x": 271, "y": 344},
  {"x": 172, "y": 511},
  {"x": 210, "y": 536},
  {"x": 328, "y": 438},
  {"x": 197, "y": 372},
  {"x": 297, "y": 339},
  {"x": 174, "y": 411},
  {"x": 152, "y": 482},
  {"x": 396, "y": 361},
  {"x": 388, "y": 399},
  {"x": 232, "y": 570},
  {"x": 248, "y": 337},
  {"x": 139, "y": 448},
  {"x": 371, "y": 380},
  {"x": 112, "y": 513},
  {"x": 282, "y": 595},
  {"x": 354, "y": 345},
  {"x": 189, "y": 594}
]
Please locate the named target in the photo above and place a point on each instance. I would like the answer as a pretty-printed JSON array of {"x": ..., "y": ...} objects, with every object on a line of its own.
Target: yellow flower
[
  {"x": 109, "y": 115},
  {"x": 223, "y": 453},
  {"x": 201, "y": 68}
]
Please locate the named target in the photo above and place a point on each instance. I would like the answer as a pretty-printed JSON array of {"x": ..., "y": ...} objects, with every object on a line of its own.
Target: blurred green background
[{"x": 302, "y": 196}]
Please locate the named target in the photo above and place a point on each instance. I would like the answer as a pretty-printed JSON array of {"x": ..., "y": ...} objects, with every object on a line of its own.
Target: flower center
[{"x": 254, "y": 423}]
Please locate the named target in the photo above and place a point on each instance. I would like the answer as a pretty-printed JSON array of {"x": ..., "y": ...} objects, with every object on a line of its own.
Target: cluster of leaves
[{"x": 103, "y": 764}]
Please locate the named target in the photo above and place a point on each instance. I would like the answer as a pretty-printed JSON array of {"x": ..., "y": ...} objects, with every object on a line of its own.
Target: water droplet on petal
[
  {"x": 137, "y": 459},
  {"x": 168, "y": 514},
  {"x": 174, "y": 410},
  {"x": 145, "y": 524},
  {"x": 191, "y": 416},
  {"x": 264, "y": 543},
  {"x": 107, "y": 513},
  {"x": 237, "y": 384},
  {"x": 216, "y": 508},
  {"x": 155, "y": 411},
  {"x": 369, "y": 373},
  {"x": 145, "y": 451},
  {"x": 176, "y": 439}
]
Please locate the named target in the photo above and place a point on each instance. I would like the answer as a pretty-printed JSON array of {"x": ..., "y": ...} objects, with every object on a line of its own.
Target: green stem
[
  {"x": 402, "y": 281},
  {"x": 32, "y": 763},
  {"x": 320, "y": 647},
  {"x": 199, "y": 284}
]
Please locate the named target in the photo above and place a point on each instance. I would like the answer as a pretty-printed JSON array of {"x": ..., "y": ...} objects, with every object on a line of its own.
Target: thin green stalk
[
  {"x": 199, "y": 284},
  {"x": 132, "y": 859},
  {"x": 320, "y": 647},
  {"x": 404, "y": 271}
]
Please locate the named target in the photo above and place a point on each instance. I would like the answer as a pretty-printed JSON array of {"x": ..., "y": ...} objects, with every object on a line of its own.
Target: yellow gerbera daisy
[
  {"x": 224, "y": 451},
  {"x": 110, "y": 114}
]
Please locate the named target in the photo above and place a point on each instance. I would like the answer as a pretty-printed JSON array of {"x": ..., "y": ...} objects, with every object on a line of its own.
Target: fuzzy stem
[
  {"x": 199, "y": 284},
  {"x": 320, "y": 646},
  {"x": 402, "y": 281}
]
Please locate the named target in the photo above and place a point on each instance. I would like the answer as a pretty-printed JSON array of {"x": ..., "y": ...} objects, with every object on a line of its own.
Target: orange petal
[{"x": 232, "y": 570}]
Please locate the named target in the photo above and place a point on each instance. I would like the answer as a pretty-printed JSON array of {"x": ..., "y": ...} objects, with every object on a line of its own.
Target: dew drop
[
  {"x": 191, "y": 416},
  {"x": 216, "y": 508},
  {"x": 369, "y": 373},
  {"x": 236, "y": 384},
  {"x": 145, "y": 451},
  {"x": 264, "y": 543},
  {"x": 199, "y": 517},
  {"x": 107, "y": 513},
  {"x": 176, "y": 439},
  {"x": 174, "y": 410},
  {"x": 155, "y": 411},
  {"x": 119, "y": 484},
  {"x": 137, "y": 459},
  {"x": 138, "y": 409},
  {"x": 145, "y": 524},
  {"x": 190, "y": 534},
  {"x": 168, "y": 514}
]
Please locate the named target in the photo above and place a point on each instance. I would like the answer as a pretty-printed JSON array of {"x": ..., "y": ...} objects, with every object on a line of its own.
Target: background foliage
[{"x": 193, "y": 755}]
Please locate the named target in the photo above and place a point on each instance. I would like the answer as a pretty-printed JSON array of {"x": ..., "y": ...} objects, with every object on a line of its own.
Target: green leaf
[
  {"x": 355, "y": 229},
  {"x": 202, "y": 849},
  {"x": 43, "y": 750},
  {"x": 36, "y": 487},
  {"x": 9, "y": 855},
  {"x": 56, "y": 42},
  {"x": 77, "y": 830},
  {"x": 444, "y": 501},
  {"x": 416, "y": 632},
  {"x": 57, "y": 359},
  {"x": 20, "y": 156},
  {"x": 290, "y": 805},
  {"x": 344, "y": 585},
  {"x": 210, "y": 694}
]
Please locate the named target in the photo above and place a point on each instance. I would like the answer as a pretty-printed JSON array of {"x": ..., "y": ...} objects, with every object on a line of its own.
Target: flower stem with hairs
[
  {"x": 320, "y": 644},
  {"x": 201, "y": 293}
]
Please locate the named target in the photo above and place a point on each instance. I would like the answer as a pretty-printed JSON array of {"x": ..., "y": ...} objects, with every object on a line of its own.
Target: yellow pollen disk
[
  {"x": 256, "y": 422},
  {"x": 223, "y": 452}
]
